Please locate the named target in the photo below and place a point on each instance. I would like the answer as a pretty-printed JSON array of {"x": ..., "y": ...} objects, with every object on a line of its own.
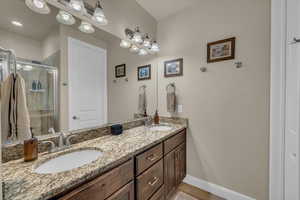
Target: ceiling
[
  {"x": 161, "y": 9},
  {"x": 35, "y": 26}
]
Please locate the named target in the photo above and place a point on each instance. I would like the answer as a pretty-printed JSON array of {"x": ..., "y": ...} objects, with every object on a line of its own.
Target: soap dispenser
[{"x": 156, "y": 117}]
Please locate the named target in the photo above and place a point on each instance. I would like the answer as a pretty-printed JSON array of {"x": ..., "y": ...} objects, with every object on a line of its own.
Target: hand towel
[
  {"x": 15, "y": 123},
  {"x": 8, "y": 119},
  {"x": 142, "y": 107},
  {"x": 22, "y": 113},
  {"x": 171, "y": 101}
]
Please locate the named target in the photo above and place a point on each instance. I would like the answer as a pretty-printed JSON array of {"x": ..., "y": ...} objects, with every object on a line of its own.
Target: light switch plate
[{"x": 179, "y": 108}]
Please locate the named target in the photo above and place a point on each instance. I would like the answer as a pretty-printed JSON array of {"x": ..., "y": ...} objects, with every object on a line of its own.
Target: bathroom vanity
[{"x": 151, "y": 175}]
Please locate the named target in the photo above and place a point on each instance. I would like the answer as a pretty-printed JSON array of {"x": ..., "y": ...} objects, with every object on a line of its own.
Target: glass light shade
[
  {"x": 147, "y": 43},
  {"x": 99, "y": 17},
  {"x": 39, "y": 3},
  {"x": 134, "y": 49},
  {"x": 125, "y": 44},
  {"x": 39, "y": 6},
  {"x": 65, "y": 18},
  {"x": 77, "y": 5},
  {"x": 86, "y": 27},
  {"x": 137, "y": 36},
  {"x": 143, "y": 52},
  {"x": 155, "y": 47}
]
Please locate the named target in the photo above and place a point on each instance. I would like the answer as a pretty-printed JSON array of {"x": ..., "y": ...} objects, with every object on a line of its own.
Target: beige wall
[
  {"x": 51, "y": 43},
  {"x": 228, "y": 108},
  {"x": 122, "y": 95},
  {"x": 24, "y": 47}
]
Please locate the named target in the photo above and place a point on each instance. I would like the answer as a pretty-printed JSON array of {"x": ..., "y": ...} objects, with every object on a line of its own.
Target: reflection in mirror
[{"x": 69, "y": 76}]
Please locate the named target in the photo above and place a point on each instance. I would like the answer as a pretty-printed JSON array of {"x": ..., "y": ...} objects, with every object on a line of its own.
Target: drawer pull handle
[
  {"x": 154, "y": 181},
  {"x": 151, "y": 157}
]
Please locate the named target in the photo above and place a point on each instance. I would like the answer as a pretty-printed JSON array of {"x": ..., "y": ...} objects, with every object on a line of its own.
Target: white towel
[
  {"x": 23, "y": 120},
  {"x": 142, "y": 107},
  {"x": 15, "y": 123}
]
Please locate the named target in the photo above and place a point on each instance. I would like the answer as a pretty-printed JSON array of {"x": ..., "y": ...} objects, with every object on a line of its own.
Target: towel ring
[{"x": 171, "y": 85}]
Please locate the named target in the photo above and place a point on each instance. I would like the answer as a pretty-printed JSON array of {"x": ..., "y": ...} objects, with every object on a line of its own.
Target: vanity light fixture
[
  {"x": 98, "y": 15},
  {"x": 86, "y": 27},
  {"x": 138, "y": 42},
  {"x": 17, "y": 23},
  {"x": 134, "y": 49},
  {"x": 66, "y": 18},
  {"x": 39, "y": 6},
  {"x": 77, "y": 5},
  {"x": 137, "y": 36},
  {"x": 125, "y": 44}
]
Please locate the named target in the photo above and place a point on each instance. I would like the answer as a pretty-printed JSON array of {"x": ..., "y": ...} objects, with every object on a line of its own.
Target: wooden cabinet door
[
  {"x": 169, "y": 174},
  {"x": 125, "y": 193},
  {"x": 180, "y": 164}
]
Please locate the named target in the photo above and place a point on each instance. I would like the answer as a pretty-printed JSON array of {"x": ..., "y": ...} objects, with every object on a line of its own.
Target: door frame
[{"x": 277, "y": 98}]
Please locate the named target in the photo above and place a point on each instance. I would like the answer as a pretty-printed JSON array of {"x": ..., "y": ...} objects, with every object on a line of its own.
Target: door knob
[
  {"x": 295, "y": 41},
  {"x": 75, "y": 117}
]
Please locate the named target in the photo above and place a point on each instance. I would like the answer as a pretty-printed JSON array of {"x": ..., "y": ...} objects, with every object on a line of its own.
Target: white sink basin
[
  {"x": 160, "y": 128},
  {"x": 68, "y": 161}
]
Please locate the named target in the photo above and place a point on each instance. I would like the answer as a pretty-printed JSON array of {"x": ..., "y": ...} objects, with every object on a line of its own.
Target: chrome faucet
[
  {"x": 63, "y": 143},
  {"x": 148, "y": 121}
]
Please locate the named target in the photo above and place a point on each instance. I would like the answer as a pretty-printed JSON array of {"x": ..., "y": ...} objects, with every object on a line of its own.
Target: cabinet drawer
[
  {"x": 148, "y": 158},
  {"x": 150, "y": 181},
  {"x": 159, "y": 195},
  {"x": 126, "y": 193},
  {"x": 103, "y": 186},
  {"x": 174, "y": 141}
]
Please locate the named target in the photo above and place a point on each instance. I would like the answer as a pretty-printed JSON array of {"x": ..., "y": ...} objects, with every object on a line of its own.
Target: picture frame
[
  {"x": 221, "y": 50},
  {"x": 174, "y": 68},
  {"x": 144, "y": 72},
  {"x": 120, "y": 71}
]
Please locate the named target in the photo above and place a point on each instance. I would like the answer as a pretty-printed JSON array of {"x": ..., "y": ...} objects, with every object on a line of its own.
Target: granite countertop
[{"x": 21, "y": 183}]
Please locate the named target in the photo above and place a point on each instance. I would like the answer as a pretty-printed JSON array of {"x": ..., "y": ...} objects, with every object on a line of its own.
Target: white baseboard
[{"x": 215, "y": 189}]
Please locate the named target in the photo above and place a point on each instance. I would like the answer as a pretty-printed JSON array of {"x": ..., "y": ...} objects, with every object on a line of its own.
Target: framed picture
[
  {"x": 144, "y": 72},
  {"x": 221, "y": 50},
  {"x": 120, "y": 71},
  {"x": 174, "y": 68}
]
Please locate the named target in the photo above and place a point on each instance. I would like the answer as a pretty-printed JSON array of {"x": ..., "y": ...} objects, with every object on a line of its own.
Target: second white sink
[
  {"x": 68, "y": 161},
  {"x": 160, "y": 128}
]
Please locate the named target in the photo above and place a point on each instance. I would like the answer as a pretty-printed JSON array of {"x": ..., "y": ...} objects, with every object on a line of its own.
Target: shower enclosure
[{"x": 41, "y": 92}]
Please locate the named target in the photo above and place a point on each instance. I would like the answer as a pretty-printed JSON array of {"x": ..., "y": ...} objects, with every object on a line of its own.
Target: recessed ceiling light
[{"x": 16, "y": 23}]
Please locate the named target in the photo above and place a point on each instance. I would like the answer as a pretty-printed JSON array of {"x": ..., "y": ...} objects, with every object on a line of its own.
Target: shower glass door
[{"x": 41, "y": 95}]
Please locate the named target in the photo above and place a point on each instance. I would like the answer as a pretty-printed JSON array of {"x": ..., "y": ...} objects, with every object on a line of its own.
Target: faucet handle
[
  {"x": 68, "y": 143},
  {"x": 51, "y": 143}
]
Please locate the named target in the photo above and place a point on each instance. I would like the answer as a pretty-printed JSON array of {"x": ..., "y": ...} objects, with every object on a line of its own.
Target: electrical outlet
[{"x": 179, "y": 108}]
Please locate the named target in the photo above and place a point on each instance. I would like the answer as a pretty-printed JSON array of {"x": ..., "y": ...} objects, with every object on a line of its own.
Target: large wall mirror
[{"x": 69, "y": 76}]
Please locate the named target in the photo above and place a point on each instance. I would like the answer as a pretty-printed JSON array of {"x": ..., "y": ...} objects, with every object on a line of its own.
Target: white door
[
  {"x": 292, "y": 129},
  {"x": 87, "y": 85}
]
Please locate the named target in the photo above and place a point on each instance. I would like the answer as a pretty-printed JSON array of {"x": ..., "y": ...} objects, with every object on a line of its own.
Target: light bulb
[
  {"x": 77, "y": 5},
  {"x": 155, "y": 47},
  {"x": 86, "y": 27},
  {"x": 65, "y": 18},
  {"x": 134, "y": 49},
  {"x": 125, "y": 44},
  {"x": 143, "y": 52}
]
